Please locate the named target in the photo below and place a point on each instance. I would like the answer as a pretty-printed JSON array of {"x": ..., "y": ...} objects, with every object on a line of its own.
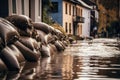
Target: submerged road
[{"x": 98, "y": 59}]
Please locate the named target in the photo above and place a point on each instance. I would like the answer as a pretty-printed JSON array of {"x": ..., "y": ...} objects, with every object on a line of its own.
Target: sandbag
[
  {"x": 41, "y": 26},
  {"x": 23, "y": 24},
  {"x": 49, "y": 38},
  {"x": 52, "y": 30},
  {"x": 17, "y": 53},
  {"x": 58, "y": 46},
  {"x": 45, "y": 38},
  {"x": 53, "y": 49},
  {"x": 59, "y": 34},
  {"x": 1, "y": 44},
  {"x": 12, "y": 76},
  {"x": 45, "y": 51},
  {"x": 8, "y": 33},
  {"x": 3, "y": 67},
  {"x": 31, "y": 43},
  {"x": 10, "y": 59},
  {"x": 65, "y": 43},
  {"x": 28, "y": 54},
  {"x": 8, "y": 22},
  {"x": 62, "y": 44},
  {"x": 41, "y": 37}
]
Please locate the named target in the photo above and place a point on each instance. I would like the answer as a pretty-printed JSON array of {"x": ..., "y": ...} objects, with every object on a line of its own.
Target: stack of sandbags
[
  {"x": 43, "y": 35},
  {"x": 9, "y": 53},
  {"x": 26, "y": 44},
  {"x": 51, "y": 39},
  {"x": 21, "y": 40}
]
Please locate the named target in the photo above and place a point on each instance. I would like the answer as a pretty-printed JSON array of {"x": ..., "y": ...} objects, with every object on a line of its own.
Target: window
[
  {"x": 66, "y": 27},
  {"x": 77, "y": 11},
  {"x": 81, "y": 12},
  {"x": 70, "y": 27},
  {"x": 54, "y": 7},
  {"x": 30, "y": 7},
  {"x": 39, "y": 6},
  {"x": 14, "y": 6},
  {"x": 73, "y": 10},
  {"x": 69, "y": 9},
  {"x": 66, "y": 8},
  {"x": 22, "y": 2}
]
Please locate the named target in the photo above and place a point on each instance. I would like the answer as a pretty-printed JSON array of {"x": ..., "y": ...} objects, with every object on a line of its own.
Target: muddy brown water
[{"x": 87, "y": 60}]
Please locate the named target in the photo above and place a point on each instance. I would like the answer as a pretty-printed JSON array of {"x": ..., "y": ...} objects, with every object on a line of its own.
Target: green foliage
[{"x": 46, "y": 17}]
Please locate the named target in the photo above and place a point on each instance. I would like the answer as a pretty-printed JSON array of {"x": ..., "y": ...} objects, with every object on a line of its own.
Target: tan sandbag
[
  {"x": 17, "y": 53},
  {"x": 45, "y": 38},
  {"x": 45, "y": 51},
  {"x": 49, "y": 38},
  {"x": 23, "y": 24},
  {"x": 28, "y": 54},
  {"x": 59, "y": 46},
  {"x": 10, "y": 59},
  {"x": 3, "y": 67},
  {"x": 53, "y": 49},
  {"x": 65, "y": 43},
  {"x": 8, "y": 33},
  {"x": 41, "y": 26},
  {"x": 41, "y": 37},
  {"x": 52, "y": 30},
  {"x": 30, "y": 43},
  {"x": 62, "y": 44}
]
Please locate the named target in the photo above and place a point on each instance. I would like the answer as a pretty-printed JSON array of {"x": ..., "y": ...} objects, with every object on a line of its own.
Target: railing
[{"x": 78, "y": 19}]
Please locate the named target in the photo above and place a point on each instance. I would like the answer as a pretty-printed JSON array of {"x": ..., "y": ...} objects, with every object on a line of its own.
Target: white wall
[
  {"x": 86, "y": 24},
  {"x": 96, "y": 15},
  {"x": 37, "y": 17},
  {"x": 34, "y": 9}
]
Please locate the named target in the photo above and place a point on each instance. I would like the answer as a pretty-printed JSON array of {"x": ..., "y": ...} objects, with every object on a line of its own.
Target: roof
[
  {"x": 89, "y": 2},
  {"x": 84, "y": 4}
]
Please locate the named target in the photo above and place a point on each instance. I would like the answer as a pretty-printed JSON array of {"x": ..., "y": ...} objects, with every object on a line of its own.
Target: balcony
[{"x": 78, "y": 19}]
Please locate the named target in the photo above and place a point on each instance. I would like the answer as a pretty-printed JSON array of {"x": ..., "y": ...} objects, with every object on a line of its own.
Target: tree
[
  {"x": 46, "y": 5},
  {"x": 113, "y": 29}
]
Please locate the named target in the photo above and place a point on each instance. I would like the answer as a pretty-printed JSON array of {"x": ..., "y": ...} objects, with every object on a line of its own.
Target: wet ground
[{"x": 98, "y": 59}]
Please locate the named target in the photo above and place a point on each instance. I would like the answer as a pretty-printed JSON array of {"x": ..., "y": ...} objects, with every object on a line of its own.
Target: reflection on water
[{"x": 96, "y": 60}]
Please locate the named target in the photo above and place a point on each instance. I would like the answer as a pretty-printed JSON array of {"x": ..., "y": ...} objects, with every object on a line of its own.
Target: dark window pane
[
  {"x": 22, "y": 6},
  {"x": 39, "y": 6},
  {"x": 14, "y": 6},
  {"x": 70, "y": 27},
  {"x": 66, "y": 27},
  {"x": 66, "y": 8}
]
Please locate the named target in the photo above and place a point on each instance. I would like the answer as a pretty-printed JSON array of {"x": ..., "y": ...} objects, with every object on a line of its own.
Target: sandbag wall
[{"x": 21, "y": 40}]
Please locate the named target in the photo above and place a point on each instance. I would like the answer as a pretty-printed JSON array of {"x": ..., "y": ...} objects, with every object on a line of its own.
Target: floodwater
[{"x": 98, "y": 59}]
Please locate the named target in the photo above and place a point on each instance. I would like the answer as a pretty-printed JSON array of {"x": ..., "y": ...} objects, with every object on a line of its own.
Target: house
[
  {"x": 94, "y": 18},
  {"x": 31, "y": 8},
  {"x": 86, "y": 13},
  {"x": 73, "y": 15}
]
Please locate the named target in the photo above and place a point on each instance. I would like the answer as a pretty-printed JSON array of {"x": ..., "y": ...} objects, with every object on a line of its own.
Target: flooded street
[{"x": 98, "y": 59}]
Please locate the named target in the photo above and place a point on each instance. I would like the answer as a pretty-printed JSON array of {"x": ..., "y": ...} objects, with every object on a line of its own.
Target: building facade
[
  {"x": 31, "y": 8},
  {"x": 73, "y": 15},
  {"x": 94, "y": 18}
]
